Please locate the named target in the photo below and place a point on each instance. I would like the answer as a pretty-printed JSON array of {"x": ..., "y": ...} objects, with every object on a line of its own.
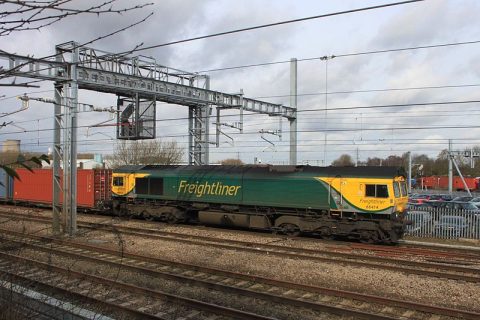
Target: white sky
[{"x": 419, "y": 24}]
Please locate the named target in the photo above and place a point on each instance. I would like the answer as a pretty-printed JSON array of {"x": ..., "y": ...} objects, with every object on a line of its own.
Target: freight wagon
[
  {"x": 366, "y": 203},
  {"x": 441, "y": 182},
  {"x": 36, "y": 188}
]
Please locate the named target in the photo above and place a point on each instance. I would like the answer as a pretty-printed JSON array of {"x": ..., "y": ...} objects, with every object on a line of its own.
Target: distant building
[
  {"x": 95, "y": 162},
  {"x": 11, "y": 146}
]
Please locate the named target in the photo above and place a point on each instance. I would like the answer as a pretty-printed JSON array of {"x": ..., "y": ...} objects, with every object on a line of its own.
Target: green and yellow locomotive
[{"x": 365, "y": 203}]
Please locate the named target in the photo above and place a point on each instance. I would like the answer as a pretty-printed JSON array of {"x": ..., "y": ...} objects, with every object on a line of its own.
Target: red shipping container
[
  {"x": 429, "y": 182},
  {"x": 93, "y": 187},
  {"x": 458, "y": 183},
  {"x": 441, "y": 182}
]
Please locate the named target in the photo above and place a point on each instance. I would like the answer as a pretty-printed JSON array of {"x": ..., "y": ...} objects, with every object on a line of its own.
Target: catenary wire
[{"x": 275, "y": 24}]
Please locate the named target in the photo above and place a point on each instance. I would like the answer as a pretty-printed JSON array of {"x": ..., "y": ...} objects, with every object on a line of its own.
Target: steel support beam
[
  {"x": 57, "y": 157},
  {"x": 104, "y": 72},
  {"x": 198, "y": 127},
  {"x": 72, "y": 227},
  {"x": 70, "y": 124}
]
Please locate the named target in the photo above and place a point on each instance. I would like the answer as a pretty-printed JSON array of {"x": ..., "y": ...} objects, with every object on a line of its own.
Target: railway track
[
  {"x": 404, "y": 248},
  {"x": 120, "y": 299},
  {"x": 426, "y": 252},
  {"x": 432, "y": 269},
  {"x": 336, "y": 302}
]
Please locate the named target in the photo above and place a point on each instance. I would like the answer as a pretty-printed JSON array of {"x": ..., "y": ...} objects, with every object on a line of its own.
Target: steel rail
[
  {"x": 93, "y": 251},
  {"x": 339, "y": 310},
  {"x": 463, "y": 273},
  {"x": 136, "y": 314},
  {"x": 419, "y": 251},
  {"x": 409, "y": 267},
  {"x": 209, "y": 307}
]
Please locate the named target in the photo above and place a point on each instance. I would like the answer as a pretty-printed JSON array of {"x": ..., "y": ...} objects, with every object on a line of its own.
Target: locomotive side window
[
  {"x": 370, "y": 190},
  {"x": 118, "y": 181},
  {"x": 141, "y": 185},
  {"x": 376, "y": 190},
  {"x": 153, "y": 186},
  {"x": 382, "y": 191},
  {"x": 404, "y": 188},
  {"x": 156, "y": 186},
  {"x": 396, "y": 189}
]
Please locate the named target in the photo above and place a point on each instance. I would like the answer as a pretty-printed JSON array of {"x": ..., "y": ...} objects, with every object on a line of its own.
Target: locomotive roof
[{"x": 259, "y": 169}]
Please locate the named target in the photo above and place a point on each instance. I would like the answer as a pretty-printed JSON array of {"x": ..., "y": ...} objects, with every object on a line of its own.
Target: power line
[
  {"x": 345, "y": 55},
  {"x": 365, "y": 118},
  {"x": 138, "y": 49},
  {"x": 302, "y": 131},
  {"x": 395, "y": 105},
  {"x": 276, "y": 24},
  {"x": 357, "y": 142},
  {"x": 444, "y": 103},
  {"x": 373, "y": 90},
  {"x": 305, "y": 143}
]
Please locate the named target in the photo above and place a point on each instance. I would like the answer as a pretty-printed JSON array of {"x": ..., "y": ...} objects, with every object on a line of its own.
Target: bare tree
[
  {"x": 145, "y": 152},
  {"x": 18, "y": 15},
  {"x": 231, "y": 162},
  {"x": 24, "y": 15},
  {"x": 343, "y": 160}
]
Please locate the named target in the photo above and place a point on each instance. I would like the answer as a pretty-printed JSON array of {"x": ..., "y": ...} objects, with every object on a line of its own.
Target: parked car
[
  {"x": 451, "y": 227},
  {"x": 441, "y": 197},
  {"x": 463, "y": 198},
  {"x": 475, "y": 201},
  {"x": 419, "y": 198},
  {"x": 421, "y": 222},
  {"x": 425, "y": 204},
  {"x": 458, "y": 205}
]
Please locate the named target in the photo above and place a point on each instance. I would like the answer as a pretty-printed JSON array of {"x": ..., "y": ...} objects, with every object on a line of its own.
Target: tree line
[{"x": 422, "y": 164}]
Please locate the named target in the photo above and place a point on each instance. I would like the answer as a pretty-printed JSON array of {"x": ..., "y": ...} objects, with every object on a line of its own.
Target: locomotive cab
[{"x": 400, "y": 193}]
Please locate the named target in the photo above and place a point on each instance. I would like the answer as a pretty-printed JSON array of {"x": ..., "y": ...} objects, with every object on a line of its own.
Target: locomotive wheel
[
  {"x": 367, "y": 236},
  {"x": 149, "y": 217},
  {"x": 326, "y": 233},
  {"x": 289, "y": 229},
  {"x": 171, "y": 218},
  {"x": 117, "y": 209}
]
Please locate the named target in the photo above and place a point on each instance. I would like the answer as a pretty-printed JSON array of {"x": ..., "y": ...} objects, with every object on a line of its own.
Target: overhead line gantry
[{"x": 139, "y": 82}]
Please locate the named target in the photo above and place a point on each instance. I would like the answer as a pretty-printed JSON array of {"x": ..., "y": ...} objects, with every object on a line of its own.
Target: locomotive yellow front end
[
  {"x": 123, "y": 184},
  {"x": 382, "y": 200},
  {"x": 400, "y": 192}
]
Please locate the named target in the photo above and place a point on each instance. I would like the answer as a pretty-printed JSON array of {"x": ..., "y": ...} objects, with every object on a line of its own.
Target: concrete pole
[
  {"x": 472, "y": 163},
  {"x": 356, "y": 159},
  {"x": 450, "y": 167},
  {"x": 293, "y": 104},
  {"x": 409, "y": 176},
  {"x": 326, "y": 109}
]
